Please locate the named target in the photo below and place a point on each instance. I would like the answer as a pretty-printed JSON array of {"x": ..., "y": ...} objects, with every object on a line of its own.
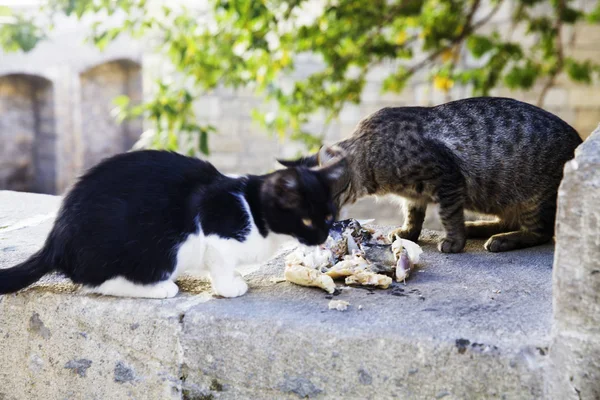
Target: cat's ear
[
  {"x": 335, "y": 169},
  {"x": 308, "y": 161},
  {"x": 322, "y": 157},
  {"x": 329, "y": 154},
  {"x": 283, "y": 187}
]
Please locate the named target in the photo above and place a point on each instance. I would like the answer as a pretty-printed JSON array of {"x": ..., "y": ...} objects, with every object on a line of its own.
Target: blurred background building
[{"x": 57, "y": 114}]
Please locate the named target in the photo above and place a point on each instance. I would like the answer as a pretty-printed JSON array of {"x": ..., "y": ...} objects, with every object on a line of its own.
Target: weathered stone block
[
  {"x": 468, "y": 327},
  {"x": 226, "y": 161},
  {"x": 346, "y": 130},
  {"x": 576, "y": 367},
  {"x": 586, "y": 120},
  {"x": 222, "y": 143},
  {"x": 588, "y": 35},
  {"x": 556, "y": 97},
  {"x": 577, "y": 258},
  {"x": 581, "y": 54},
  {"x": 367, "y": 109},
  {"x": 371, "y": 92},
  {"x": 350, "y": 114},
  {"x": 102, "y": 135},
  {"x": 584, "y": 96},
  {"x": 568, "y": 115},
  {"x": 208, "y": 107},
  {"x": 575, "y": 350},
  {"x": 71, "y": 346}
]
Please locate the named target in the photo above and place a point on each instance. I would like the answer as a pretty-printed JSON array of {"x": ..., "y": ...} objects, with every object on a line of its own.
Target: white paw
[
  {"x": 230, "y": 288},
  {"x": 164, "y": 290},
  {"x": 171, "y": 289}
]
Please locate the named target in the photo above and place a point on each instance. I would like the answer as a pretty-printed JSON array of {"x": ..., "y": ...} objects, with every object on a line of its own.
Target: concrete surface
[
  {"x": 465, "y": 326},
  {"x": 576, "y": 331}
]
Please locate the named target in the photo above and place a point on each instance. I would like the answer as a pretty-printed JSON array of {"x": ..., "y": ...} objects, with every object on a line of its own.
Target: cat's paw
[
  {"x": 404, "y": 234},
  {"x": 164, "y": 290},
  {"x": 497, "y": 244},
  {"x": 451, "y": 245},
  {"x": 230, "y": 288},
  {"x": 171, "y": 289}
]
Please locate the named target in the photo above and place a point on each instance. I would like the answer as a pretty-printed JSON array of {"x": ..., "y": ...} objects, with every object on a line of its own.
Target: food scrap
[
  {"x": 305, "y": 276},
  {"x": 368, "y": 278},
  {"x": 359, "y": 255},
  {"x": 339, "y": 305}
]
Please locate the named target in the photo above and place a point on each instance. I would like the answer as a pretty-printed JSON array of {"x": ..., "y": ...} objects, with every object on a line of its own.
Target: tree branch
[
  {"x": 560, "y": 62},
  {"x": 468, "y": 29}
]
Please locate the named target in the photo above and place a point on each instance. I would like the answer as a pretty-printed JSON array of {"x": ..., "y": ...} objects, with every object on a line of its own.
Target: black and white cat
[{"x": 137, "y": 220}]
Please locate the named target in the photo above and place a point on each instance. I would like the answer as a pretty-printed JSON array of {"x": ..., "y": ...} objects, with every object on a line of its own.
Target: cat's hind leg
[
  {"x": 414, "y": 215},
  {"x": 485, "y": 229},
  {"x": 121, "y": 287},
  {"x": 537, "y": 227},
  {"x": 515, "y": 240}
]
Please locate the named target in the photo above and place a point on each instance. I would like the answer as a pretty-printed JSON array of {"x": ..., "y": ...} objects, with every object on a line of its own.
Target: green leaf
[
  {"x": 172, "y": 142},
  {"x": 571, "y": 15},
  {"x": 397, "y": 81},
  {"x": 22, "y": 35},
  {"x": 204, "y": 143},
  {"x": 479, "y": 45},
  {"x": 122, "y": 101},
  {"x": 579, "y": 71},
  {"x": 594, "y": 15},
  {"x": 523, "y": 76}
]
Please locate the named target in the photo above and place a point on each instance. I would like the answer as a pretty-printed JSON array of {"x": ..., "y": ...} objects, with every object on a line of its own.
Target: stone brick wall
[
  {"x": 75, "y": 105},
  {"x": 83, "y": 83},
  {"x": 102, "y": 135},
  {"x": 27, "y": 132}
]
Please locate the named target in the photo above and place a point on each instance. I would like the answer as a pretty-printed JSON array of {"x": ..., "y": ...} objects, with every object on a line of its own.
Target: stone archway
[
  {"x": 27, "y": 134},
  {"x": 102, "y": 135}
]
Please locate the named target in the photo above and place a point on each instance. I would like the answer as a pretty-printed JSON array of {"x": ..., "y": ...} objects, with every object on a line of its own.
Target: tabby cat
[{"x": 495, "y": 156}]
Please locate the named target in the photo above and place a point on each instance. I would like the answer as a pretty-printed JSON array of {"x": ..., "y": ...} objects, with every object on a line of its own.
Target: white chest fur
[
  {"x": 198, "y": 251},
  {"x": 255, "y": 248}
]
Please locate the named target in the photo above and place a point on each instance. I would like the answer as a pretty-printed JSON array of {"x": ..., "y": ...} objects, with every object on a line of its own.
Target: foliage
[
  {"x": 172, "y": 116},
  {"x": 259, "y": 44},
  {"x": 18, "y": 32}
]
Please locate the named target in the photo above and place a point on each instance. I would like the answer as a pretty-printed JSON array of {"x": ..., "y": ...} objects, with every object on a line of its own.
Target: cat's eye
[
  {"x": 307, "y": 222},
  {"x": 329, "y": 218}
]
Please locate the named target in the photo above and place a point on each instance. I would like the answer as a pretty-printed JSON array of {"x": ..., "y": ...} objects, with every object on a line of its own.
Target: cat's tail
[{"x": 24, "y": 274}]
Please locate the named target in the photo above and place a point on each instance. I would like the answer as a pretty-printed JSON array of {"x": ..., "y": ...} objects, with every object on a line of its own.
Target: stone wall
[
  {"x": 74, "y": 103},
  {"x": 575, "y": 349},
  {"x": 84, "y": 81},
  {"x": 27, "y": 132},
  {"x": 102, "y": 135}
]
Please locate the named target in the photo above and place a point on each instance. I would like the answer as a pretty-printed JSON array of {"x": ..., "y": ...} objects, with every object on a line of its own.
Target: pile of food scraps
[{"x": 359, "y": 255}]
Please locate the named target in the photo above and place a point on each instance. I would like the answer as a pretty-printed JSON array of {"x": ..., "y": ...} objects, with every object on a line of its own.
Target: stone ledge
[
  {"x": 470, "y": 325},
  {"x": 575, "y": 349}
]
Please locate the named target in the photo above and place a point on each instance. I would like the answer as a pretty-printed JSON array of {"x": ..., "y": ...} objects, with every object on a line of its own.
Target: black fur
[{"x": 127, "y": 216}]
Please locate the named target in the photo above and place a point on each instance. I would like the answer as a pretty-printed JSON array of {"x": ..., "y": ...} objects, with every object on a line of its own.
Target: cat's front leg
[
  {"x": 225, "y": 280},
  {"x": 414, "y": 215},
  {"x": 452, "y": 214}
]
